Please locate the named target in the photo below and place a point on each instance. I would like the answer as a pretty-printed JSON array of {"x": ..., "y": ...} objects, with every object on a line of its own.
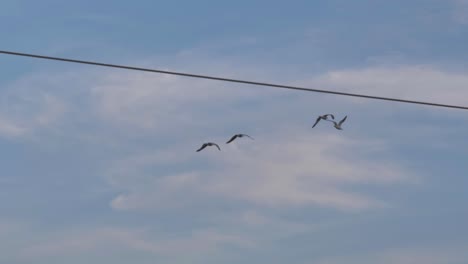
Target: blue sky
[{"x": 99, "y": 165}]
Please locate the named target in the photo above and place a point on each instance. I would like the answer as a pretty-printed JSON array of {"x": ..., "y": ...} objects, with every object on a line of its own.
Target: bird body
[
  {"x": 238, "y": 136},
  {"x": 324, "y": 117},
  {"x": 209, "y": 144},
  {"x": 338, "y": 125}
]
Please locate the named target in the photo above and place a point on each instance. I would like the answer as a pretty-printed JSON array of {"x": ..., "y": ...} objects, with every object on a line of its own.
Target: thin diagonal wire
[{"x": 281, "y": 86}]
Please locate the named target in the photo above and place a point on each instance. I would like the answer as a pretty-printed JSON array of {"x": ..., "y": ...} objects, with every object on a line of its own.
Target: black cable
[{"x": 233, "y": 80}]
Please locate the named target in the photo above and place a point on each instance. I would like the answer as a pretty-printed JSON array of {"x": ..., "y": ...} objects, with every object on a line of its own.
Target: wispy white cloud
[
  {"x": 102, "y": 239},
  {"x": 461, "y": 11},
  {"x": 276, "y": 171},
  {"x": 266, "y": 227},
  {"x": 287, "y": 167},
  {"x": 26, "y": 119},
  {"x": 281, "y": 170},
  {"x": 9, "y": 226},
  {"x": 160, "y": 103},
  {"x": 287, "y": 172},
  {"x": 147, "y": 101},
  {"x": 27, "y": 106},
  {"x": 419, "y": 82},
  {"x": 10, "y": 129},
  {"x": 436, "y": 255}
]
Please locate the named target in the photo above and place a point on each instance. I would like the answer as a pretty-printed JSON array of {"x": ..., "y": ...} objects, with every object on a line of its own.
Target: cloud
[
  {"x": 437, "y": 255},
  {"x": 26, "y": 119},
  {"x": 259, "y": 225},
  {"x": 10, "y": 129},
  {"x": 287, "y": 167},
  {"x": 280, "y": 170},
  {"x": 170, "y": 105},
  {"x": 461, "y": 11},
  {"x": 28, "y": 107},
  {"x": 146, "y": 101},
  {"x": 418, "y": 82},
  {"x": 7, "y": 227},
  {"x": 142, "y": 102},
  {"x": 103, "y": 239},
  {"x": 159, "y": 121}
]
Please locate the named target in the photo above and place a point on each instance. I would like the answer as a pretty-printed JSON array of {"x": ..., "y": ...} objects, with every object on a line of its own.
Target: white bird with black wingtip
[{"x": 338, "y": 125}]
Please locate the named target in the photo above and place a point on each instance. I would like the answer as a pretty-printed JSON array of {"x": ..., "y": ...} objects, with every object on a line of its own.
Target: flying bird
[
  {"x": 338, "y": 125},
  {"x": 238, "y": 136},
  {"x": 209, "y": 144},
  {"x": 324, "y": 117}
]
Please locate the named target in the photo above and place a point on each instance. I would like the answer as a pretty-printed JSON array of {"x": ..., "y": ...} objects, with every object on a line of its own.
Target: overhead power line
[{"x": 233, "y": 80}]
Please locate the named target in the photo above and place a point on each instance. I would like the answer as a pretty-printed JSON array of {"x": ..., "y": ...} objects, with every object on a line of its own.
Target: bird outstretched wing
[
  {"x": 202, "y": 147},
  {"x": 342, "y": 121},
  {"x": 316, "y": 121},
  {"x": 232, "y": 139},
  {"x": 248, "y": 136},
  {"x": 214, "y": 144}
]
